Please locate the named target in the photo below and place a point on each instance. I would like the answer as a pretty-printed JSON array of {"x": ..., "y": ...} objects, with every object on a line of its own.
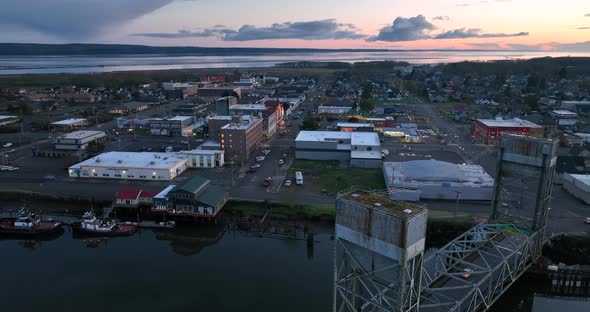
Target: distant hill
[{"x": 126, "y": 49}]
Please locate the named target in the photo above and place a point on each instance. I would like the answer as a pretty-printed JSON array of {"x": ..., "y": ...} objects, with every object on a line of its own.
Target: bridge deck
[{"x": 472, "y": 271}]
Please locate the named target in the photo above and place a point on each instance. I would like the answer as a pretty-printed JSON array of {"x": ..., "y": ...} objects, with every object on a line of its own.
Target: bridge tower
[
  {"x": 524, "y": 179},
  {"x": 378, "y": 253}
]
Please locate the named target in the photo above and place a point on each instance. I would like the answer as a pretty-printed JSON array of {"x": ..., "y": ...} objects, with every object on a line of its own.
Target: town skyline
[{"x": 373, "y": 24}]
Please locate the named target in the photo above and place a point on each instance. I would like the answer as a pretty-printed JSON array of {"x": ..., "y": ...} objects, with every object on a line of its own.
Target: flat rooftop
[
  {"x": 145, "y": 160},
  {"x": 249, "y": 107},
  {"x": 81, "y": 134},
  {"x": 583, "y": 178},
  {"x": 221, "y": 117},
  {"x": 355, "y": 125},
  {"x": 516, "y": 122},
  {"x": 69, "y": 121},
  {"x": 181, "y": 118},
  {"x": 244, "y": 124},
  {"x": 378, "y": 202},
  {"x": 322, "y": 136},
  {"x": 364, "y": 138},
  {"x": 2, "y": 117}
]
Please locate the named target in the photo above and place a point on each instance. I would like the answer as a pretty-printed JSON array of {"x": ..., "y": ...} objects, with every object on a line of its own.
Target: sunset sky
[{"x": 417, "y": 24}]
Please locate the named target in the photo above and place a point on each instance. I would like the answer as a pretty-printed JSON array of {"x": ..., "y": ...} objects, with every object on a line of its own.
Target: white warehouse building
[
  {"x": 578, "y": 185},
  {"x": 132, "y": 166},
  {"x": 78, "y": 140},
  {"x": 362, "y": 149},
  {"x": 432, "y": 179}
]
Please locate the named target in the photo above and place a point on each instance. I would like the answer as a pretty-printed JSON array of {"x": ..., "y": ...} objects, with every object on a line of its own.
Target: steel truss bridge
[{"x": 471, "y": 272}]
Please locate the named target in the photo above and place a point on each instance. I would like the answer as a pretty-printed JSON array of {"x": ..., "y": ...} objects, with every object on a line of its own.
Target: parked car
[
  {"x": 267, "y": 181},
  {"x": 466, "y": 273},
  {"x": 587, "y": 220},
  {"x": 10, "y": 151},
  {"x": 265, "y": 152},
  {"x": 288, "y": 182},
  {"x": 255, "y": 166},
  {"x": 199, "y": 140},
  {"x": 260, "y": 158},
  {"x": 184, "y": 142},
  {"x": 251, "y": 170},
  {"x": 281, "y": 161}
]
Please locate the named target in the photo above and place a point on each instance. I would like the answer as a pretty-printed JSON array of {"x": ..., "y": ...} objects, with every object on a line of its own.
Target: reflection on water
[
  {"x": 10, "y": 65},
  {"x": 195, "y": 267}
]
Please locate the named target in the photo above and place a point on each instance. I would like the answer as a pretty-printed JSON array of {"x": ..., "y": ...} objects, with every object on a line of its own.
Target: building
[
  {"x": 417, "y": 180},
  {"x": 404, "y": 134},
  {"x": 333, "y": 110},
  {"x": 195, "y": 197},
  {"x": 222, "y": 105},
  {"x": 580, "y": 107},
  {"x": 578, "y": 185},
  {"x": 133, "y": 198},
  {"x": 204, "y": 158},
  {"x": 241, "y": 138},
  {"x": 215, "y": 123},
  {"x": 130, "y": 108},
  {"x": 69, "y": 124},
  {"x": 380, "y": 123},
  {"x": 379, "y": 250},
  {"x": 220, "y": 91},
  {"x": 352, "y": 127},
  {"x": 571, "y": 165},
  {"x": 361, "y": 149},
  {"x": 133, "y": 123},
  {"x": 175, "y": 126},
  {"x": 131, "y": 166},
  {"x": 79, "y": 140},
  {"x": 488, "y": 131},
  {"x": 565, "y": 118},
  {"x": 180, "y": 89},
  {"x": 80, "y": 98},
  {"x": 547, "y": 122},
  {"x": 7, "y": 121},
  {"x": 270, "y": 116}
]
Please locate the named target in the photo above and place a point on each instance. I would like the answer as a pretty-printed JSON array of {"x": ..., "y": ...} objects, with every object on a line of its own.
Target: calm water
[
  {"x": 90, "y": 64},
  {"x": 200, "y": 268}
]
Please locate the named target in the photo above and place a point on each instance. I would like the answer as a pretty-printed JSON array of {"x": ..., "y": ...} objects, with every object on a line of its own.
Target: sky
[{"x": 390, "y": 24}]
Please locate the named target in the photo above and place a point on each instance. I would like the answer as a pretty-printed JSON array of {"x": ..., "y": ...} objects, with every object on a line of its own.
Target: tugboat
[
  {"x": 91, "y": 226},
  {"x": 28, "y": 224}
]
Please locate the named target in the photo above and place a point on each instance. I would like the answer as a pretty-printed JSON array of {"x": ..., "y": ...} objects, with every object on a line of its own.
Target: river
[
  {"x": 11, "y": 65},
  {"x": 195, "y": 267}
]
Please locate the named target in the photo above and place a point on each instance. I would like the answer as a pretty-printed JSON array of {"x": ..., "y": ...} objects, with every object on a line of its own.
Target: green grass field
[{"x": 333, "y": 177}]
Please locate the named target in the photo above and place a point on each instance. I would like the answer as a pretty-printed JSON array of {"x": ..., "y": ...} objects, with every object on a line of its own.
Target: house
[
  {"x": 460, "y": 112},
  {"x": 195, "y": 197}
]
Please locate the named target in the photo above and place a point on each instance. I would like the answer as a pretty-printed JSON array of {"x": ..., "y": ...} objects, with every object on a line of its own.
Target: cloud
[
  {"x": 583, "y": 27},
  {"x": 441, "y": 18},
  {"x": 311, "y": 30},
  {"x": 572, "y": 47},
  {"x": 587, "y": 14},
  {"x": 74, "y": 19},
  {"x": 474, "y": 33},
  {"x": 405, "y": 29}
]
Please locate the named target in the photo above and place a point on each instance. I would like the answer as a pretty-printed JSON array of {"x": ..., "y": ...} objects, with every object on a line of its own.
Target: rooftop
[
  {"x": 424, "y": 172},
  {"x": 379, "y": 202},
  {"x": 364, "y": 138},
  {"x": 7, "y": 117},
  {"x": 564, "y": 112},
  {"x": 220, "y": 117},
  {"x": 80, "y": 134},
  {"x": 322, "y": 136},
  {"x": 249, "y": 107},
  {"x": 133, "y": 160},
  {"x": 69, "y": 121},
  {"x": 354, "y": 125},
  {"x": 583, "y": 178},
  {"x": 516, "y": 122},
  {"x": 244, "y": 124},
  {"x": 181, "y": 118},
  {"x": 162, "y": 194}
]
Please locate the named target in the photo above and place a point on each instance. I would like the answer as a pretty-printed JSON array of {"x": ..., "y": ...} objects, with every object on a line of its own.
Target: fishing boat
[
  {"x": 93, "y": 226},
  {"x": 28, "y": 224}
]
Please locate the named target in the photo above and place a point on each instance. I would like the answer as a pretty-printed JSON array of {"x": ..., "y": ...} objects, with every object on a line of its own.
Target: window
[
  {"x": 117, "y": 175},
  {"x": 153, "y": 177},
  {"x": 142, "y": 177},
  {"x": 369, "y": 148},
  {"x": 95, "y": 174},
  {"x": 105, "y": 175},
  {"x": 130, "y": 176}
]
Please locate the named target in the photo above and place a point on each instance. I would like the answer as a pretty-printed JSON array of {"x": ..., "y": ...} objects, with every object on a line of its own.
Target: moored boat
[
  {"x": 28, "y": 224},
  {"x": 93, "y": 226}
]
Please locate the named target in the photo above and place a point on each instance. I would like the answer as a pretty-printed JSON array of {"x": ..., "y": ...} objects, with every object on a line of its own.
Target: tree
[
  {"x": 532, "y": 101},
  {"x": 367, "y": 104},
  {"x": 309, "y": 122},
  {"x": 563, "y": 73}
]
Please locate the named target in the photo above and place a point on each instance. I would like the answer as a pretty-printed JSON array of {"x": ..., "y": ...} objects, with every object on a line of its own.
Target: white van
[
  {"x": 168, "y": 149},
  {"x": 299, "y": 178}
]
